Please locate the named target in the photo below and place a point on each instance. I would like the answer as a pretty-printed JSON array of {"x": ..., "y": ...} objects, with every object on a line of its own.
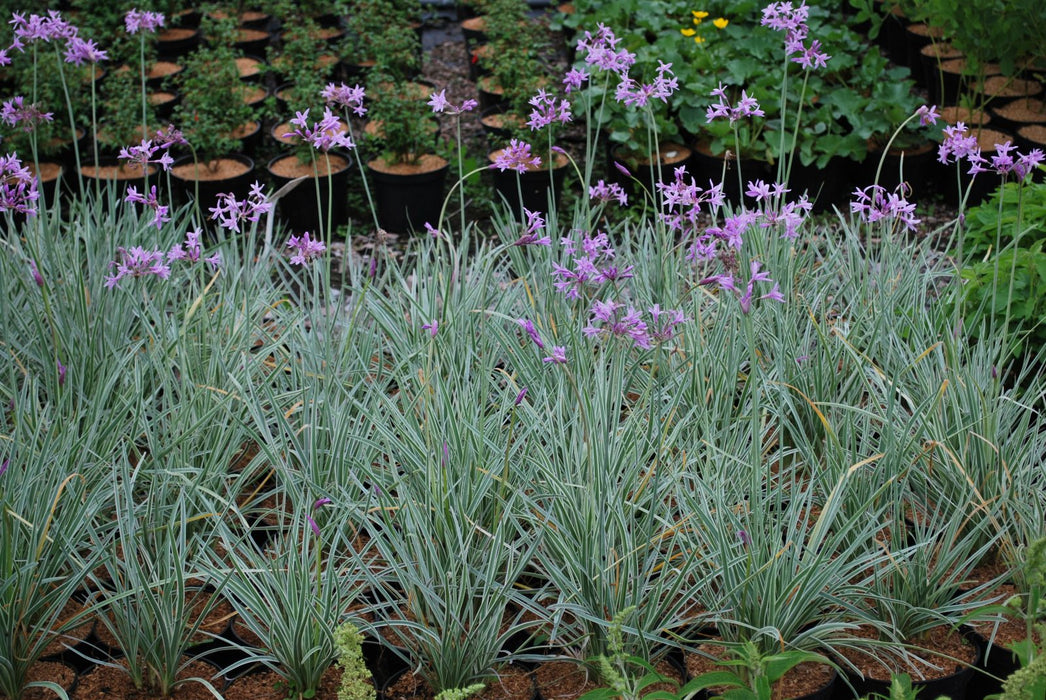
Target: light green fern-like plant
[{"x": 356, "y": 681}]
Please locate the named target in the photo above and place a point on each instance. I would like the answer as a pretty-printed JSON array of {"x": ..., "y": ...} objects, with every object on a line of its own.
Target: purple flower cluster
[
  {"x": 345, "y": 96},
  {"x": 305, "y": 249},
  {"x": 959, "y": 144},
  {"x": 875, "y": 204},
  {"x": 682, "y": 200},
  {"x": 161, "y": 213},
  {"x": 17, "y": 186},
  {"x": 592, "y": 265},
  {"x": 191, "y": 251},
  {"x": 532, "y": 233},
  {"x": 142, "y": 21},
  {"x": 776, "y": 210},
  {"x": 323, "y": 135},
  {"x": 547, "y": 110},
  {"x": 632, "y": 93},
  {"x": 438, "y": 102},
  {"x": 558, "y": 356},
  {"x": 230, "y": 213},
  {"x": 137, "y": 262},
  {"x": 39, "y": 28},
  {"x": 745, "y": 107},
  {"x": 726, "y": 282},
  {"x": 15, "y": 111},
  {"x": 516, "y": 156},
  {"x": 573, "y": 80},
  {"x": 601, "y": 51},
  {"x": 609, "y": 319},
  {"x": 784, "y": 17},
  {"x": 80, "y": 51},
  {"x": 605, "y": 192},
  {"x": 144, "y": 153}
]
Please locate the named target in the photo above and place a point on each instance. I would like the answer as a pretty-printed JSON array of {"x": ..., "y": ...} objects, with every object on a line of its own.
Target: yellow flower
[
  {"x": 720, "y": 23},
  {"x": 699, "y": 40},
  {"x": 699, "y": 14},
  {"x": 696, "y": 21},
  {"x": 688, "y": 31}
]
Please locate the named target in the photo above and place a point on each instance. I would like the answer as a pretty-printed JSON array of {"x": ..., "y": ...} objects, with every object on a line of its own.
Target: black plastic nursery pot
[
  {"x": 529, "y": 190},
  {"x": 203, "y": 181},
  {"x": 954, "y": 684},
  {"x": 709, "y": 170},
  {"x": 407, "y": 198},
  {"x": 305, "y": 208}
]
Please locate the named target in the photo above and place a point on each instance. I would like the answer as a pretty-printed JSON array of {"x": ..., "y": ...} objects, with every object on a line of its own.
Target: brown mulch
[
  {"x": 941, "y": 653},
  {"x": 107, "y": 682}
]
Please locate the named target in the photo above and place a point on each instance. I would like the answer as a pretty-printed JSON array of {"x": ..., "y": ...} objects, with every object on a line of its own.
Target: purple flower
[
  {"x": 547, "y": 110},
  {"x": 15, "y": 111},
  {"x": 433, "y": 232},
  {"x": 874, "y": 204},
  {"x": 432, "y": 327},
  {"x": 635, "y": 94},
  {"x": 516, "y": 157},
  {"x": 4, "y": 465},
  {"x": 558, "y": 356},
  {"x": 665, "y": 322},
  {"x": 40, "y": 28},
  {"x": 160, "y": 211},
  {"x": 573, "y": 80},
  {"x": 607, "y": 320},
  {"x": 532, "y": 234},
  {"x": 315, "y": 506},
  {"x": 137, "y": 262},
  {"x": 438, "y": 102},
  {"x": 62, "y": 369},
  {"x": 726, "y": 282},
  {"x": 230, "y": 213},
  {"x": 528, "y": 326},
  {"x": 306, "y": 249},
  {"x": 927, "y": 115},
  {"x": 601, "y": 51},
  {"x": 745, "y": 539},
  {"x": 605, "y": 192},
  {"x": 783, "y": 16},
  {"x": 958, "y": 144},
  {"x": 325, "y": 134},
  {"x": 345, "y": 96},
  {"x": 169, "y": 136},
  {"x": 745, "y": 107},
  {"x": 519, "y": 397},
  {"x": 136, "y": 21},
  {"x": 192, "y": 251},
  {"x": 17, "y": 186},
  {"x": 152, "y": 201},
  {"x": 37, "y": 277},
  {"x": 811, "y": 56},
  {"x": 142, "y": 154},
  {"x": 80, "y": 51}
]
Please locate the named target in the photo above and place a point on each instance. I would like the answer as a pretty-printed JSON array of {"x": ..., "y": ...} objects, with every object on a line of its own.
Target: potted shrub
[
  {"x": 211, "y": 112},
  {"x": 383, "y": 31},
  {"x": 408, "y": 174}
]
